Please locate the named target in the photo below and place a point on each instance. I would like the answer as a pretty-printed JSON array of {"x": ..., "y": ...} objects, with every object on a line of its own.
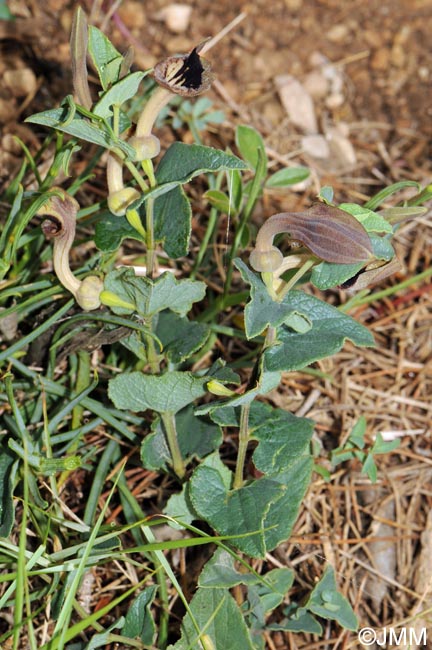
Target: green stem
[
  {"x": 243, "y": 444},
  {"x": 244, "y": 420},
  {"x": 214, "y": 184},
  {"x": 151, "y": 250},
  {"x": 234, "y": 248},
  {"x": 245, "y": 216},
  {"x": 211, "y": 225},
  {"x": 169, "y": 422},
  {"x": 137, "y": 176},
  {"x": 152, "y": 355},
  {"x": 147, "y": 166},
  {"x": 295, "y": 278}
]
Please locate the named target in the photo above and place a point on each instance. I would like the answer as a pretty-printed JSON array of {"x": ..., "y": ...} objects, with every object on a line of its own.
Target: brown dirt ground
[{"x": 378, "y": 537}]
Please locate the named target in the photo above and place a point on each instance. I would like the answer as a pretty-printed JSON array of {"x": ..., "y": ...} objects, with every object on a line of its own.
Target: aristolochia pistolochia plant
[{"x": 173, "y": 360}]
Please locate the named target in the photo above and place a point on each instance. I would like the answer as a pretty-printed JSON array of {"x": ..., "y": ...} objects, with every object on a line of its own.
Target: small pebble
[
  {"x": 7, "y": 163},
  {"x": 335, "y": 100},
  {"x": 315, "y": 146},
  {"x": 132, "y": 13},
  {"x": 398, "y": 56},
  {"x": 380, "y": 59},
  {"x": 176, "y": 17},
  {"x": 8, "y": 326},
  {"x": 7, "y": 110},
  {"x": 403, "y": 35},
  {"x": 338, "y": 33},
  {"x": 316, "y": 84},
  {"x": 340, "y": 146},
  {"x": 293, "y": 5},
  {"x": 9, "y": 144},
  {"x": 21, "y": 82},
  {"x": 177, "y": 44},
  {"x": 297, "y": 102}
]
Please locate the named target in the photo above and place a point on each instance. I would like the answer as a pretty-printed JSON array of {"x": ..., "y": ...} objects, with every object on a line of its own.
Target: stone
[
  {"x": 297, "y": 102},
  {"x": 21, "y": 82},
  {"x": 380, "y": 59},
  {"x": 315, "y": 146}
]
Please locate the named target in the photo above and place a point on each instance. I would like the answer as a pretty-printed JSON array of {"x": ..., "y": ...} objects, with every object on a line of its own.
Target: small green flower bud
[
  {"x": 118, "y": 202},
  {"x": 110, "y": 299},
  {"x": 216, "y": 388},
  {"x": 146, "y": 146},
  {"x": 88, "y": 294},
  {"x": 266, "y": 261}
]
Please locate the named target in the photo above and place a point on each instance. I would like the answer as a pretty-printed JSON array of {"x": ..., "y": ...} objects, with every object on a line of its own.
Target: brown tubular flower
[
  {"x": 186, "y": 74},
  {"x": 329, "y": 233},
  {"x": 61, "y": 210}
]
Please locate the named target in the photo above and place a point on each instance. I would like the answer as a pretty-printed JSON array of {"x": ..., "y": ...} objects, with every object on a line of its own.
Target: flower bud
[
  {"x": 110, "y": 299},
  {"x": 118, "y": 202},
  {"x": 266, "y": 261},
  {"x": 217, "y": 388},
  {"x": 146, "y": 147},
  {"x": 88, "y": 294}
]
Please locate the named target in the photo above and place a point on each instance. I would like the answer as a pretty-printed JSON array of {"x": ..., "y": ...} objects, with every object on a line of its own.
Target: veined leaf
[
  {"x": 172, "y": 216},
  {"x": 327, "y": 602},
  {"x": 139, "y": 623},
  {"x": 167, "y": 393},
  {"x": 151, "y": 296},
  {"x": 220, "y": 619},
  {"x": 182, "y": 162},
  {"x": 287, "y": 176},
  {"x": 264, "y": 510},
  {"x": 262, "y": 311},
  {"x": 330, "y": 329},
  {"x": 119, "y": 93},
  {"x": 106, "y": 58},
  {"x": 111, "y": 230},
  {"x": 180, "y": 337},
  {"x": 80, "y": 128},
  {"x": 249, "y": 142},
  {"x": 371, "y": 221}
]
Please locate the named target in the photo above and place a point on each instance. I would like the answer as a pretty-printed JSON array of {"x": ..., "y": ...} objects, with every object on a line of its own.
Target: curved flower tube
[
  {"x": 187, "y": 75},
  {"x": 61, "y": 210},
  {"x": 329, "y": 233},
  {"x": 119, "y": 196}
]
